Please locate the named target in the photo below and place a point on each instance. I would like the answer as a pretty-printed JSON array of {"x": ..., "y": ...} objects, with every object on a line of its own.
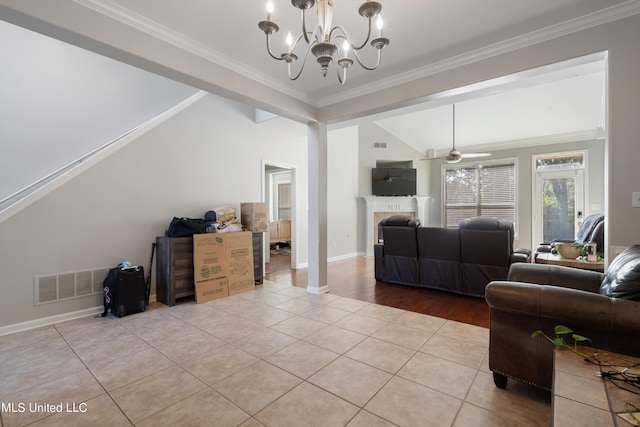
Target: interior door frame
[{"x": 294, "y": 211}]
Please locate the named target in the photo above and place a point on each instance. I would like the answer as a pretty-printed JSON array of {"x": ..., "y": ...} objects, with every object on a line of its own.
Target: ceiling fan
[{"x": 454, "y": 155}]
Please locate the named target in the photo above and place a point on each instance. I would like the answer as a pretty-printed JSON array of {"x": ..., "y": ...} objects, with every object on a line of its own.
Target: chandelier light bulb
[
  {"x": 269, "y": 10},
  {"x": 289, "y": 39},
  {"x": 322, "y": 41}
]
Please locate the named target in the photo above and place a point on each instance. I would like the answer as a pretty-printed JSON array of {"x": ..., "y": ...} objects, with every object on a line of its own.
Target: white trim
[
  {"x": 601, "y": 17},
  {"x": 581, "y": 176},
  {"x": 188, "y": 44},
  {"x": 342, "y": 257},
  {"x": 50, "y": 320},
  {"x": 317, "y": 291},
  {"x": 293, "y": 169},
  {"x": 158, "y": 31},
  {"x": 78, "y": 166},
  {"x": 537, "y": 141},
  {"x": 58, "y": 318}
]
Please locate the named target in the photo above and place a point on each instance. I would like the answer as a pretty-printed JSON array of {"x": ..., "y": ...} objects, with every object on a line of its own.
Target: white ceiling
[
  {"x": 421, "y": 33},
  {"x": 426, "y": 37}
]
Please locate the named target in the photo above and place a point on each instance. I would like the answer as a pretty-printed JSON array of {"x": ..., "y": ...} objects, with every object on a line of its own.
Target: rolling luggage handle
[{"x": 148, "y": 290}]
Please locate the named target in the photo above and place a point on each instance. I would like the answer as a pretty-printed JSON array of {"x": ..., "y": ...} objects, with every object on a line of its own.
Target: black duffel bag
[{"x": 183, "y": 227}]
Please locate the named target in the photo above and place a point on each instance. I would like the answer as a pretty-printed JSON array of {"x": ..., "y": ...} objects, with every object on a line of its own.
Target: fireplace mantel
[{"x": 416, "y": 205}]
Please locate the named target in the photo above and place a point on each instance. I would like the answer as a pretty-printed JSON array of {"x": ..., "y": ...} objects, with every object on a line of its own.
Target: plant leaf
[
  {"x": 536, "y": 333},
  {"x": 579, "y": 338},
  {"x": 558, "y": 342},
  {"x": 561, "y": 330}
]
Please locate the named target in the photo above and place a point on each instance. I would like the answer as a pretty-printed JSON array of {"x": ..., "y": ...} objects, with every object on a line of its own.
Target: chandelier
[{"x": 323, "y": 41}]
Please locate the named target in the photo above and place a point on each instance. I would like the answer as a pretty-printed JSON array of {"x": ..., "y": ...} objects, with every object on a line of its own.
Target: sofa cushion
[{"x": 622, "y": 279}]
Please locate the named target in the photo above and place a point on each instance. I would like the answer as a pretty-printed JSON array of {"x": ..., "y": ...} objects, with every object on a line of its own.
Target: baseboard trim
[
  {"x": 341, "y": 257},
  {"x": 332, "y": 259},
  {"x": 317, "y": 291},
  {"x": 50, "y": 320}
]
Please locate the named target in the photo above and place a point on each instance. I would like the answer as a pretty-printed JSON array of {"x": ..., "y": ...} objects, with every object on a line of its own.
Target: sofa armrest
[
  {"x": 589, "y": 313},
  {"x": 519, "y": 257},
  {"x": 546, "y": 274}
]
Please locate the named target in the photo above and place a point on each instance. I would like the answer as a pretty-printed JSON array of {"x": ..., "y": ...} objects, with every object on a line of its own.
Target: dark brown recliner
[
  {"x": 400, "y": 260},
  {"x": 486, "y": 252},
  {"x": 592, "y": 231},
  {"x": 540, "y": 297},
  {"x": 439, "y": 259}
]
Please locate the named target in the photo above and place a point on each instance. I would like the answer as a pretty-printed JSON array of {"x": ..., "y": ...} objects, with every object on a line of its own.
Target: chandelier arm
[
  {"x": 271, "y": 53},
  {"x": 304, "y": 62},
  {"x": 355, "y": 53},
  {"x": 345, "y": 35},
  {"x": 304, "y": 27},
  {"x": 294, "y": 45}
]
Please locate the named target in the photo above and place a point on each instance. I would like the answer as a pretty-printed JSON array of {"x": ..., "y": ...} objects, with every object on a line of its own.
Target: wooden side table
[{"x": 549, "y": 258}]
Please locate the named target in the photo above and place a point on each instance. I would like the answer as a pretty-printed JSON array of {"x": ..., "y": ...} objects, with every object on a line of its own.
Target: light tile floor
[{"x": 276, "y": 356}]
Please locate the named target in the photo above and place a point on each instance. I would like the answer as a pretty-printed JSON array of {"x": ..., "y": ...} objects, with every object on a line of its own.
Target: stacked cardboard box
[
  {"x": 222, "y": 264},
  {"x": 255, "y": 216}
]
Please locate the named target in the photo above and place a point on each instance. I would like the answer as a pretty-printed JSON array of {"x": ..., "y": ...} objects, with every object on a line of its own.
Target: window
[
  {"x": 479, "y": 190},
  {"x": 284, "y": 201}
]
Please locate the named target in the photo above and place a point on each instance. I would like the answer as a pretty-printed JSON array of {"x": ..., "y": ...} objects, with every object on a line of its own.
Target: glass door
[{"x": 558, "y": 200}]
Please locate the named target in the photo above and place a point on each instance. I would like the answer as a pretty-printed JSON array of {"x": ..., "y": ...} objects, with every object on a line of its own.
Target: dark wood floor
[{"x": 354, "y": 278}]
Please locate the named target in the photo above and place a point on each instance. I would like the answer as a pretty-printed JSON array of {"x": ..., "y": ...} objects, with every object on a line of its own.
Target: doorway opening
[{"x": 279, "y": 194}]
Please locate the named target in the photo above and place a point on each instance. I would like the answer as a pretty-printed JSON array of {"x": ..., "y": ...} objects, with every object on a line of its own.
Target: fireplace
[{"x": 378, "y": 208}]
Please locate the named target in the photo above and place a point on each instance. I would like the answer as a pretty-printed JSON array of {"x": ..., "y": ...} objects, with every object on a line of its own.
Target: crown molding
[
  {"x": 561, "y": 138},
  {"x": 156, "y": 30},
  {"x": 594, "y": 19},
  {"x": 167, "y": 35}
]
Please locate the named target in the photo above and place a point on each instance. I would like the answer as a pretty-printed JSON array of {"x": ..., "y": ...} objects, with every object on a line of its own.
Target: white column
[{"x": 317, "y": 154}]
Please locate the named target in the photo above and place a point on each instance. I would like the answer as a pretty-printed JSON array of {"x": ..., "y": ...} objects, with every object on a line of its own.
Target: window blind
[{"x": 480, "y": 190}]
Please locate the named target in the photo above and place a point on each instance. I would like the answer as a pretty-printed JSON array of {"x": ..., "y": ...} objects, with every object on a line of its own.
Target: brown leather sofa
[
  {"x": 462, "y": 260},
  {"x": 602, "y": 307}
]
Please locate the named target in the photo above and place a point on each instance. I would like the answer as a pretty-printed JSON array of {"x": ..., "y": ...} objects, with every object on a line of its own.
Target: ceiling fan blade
[{"x": 475, "y": 155}]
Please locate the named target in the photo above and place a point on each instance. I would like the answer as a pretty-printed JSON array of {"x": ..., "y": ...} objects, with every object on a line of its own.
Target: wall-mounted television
[{"x": 393, "y": 182}]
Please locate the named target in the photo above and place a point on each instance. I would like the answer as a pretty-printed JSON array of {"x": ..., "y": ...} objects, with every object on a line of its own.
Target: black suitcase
[{"x": 125, "y": 291}]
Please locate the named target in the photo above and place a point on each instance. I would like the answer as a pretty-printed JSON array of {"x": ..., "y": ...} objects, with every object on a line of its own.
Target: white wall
[
  {"x": 57, "y": 103},
  {"x": 397, "y": 150},
  {"x": 342, "y": 190},
  {"x": 208, "y": 155}
]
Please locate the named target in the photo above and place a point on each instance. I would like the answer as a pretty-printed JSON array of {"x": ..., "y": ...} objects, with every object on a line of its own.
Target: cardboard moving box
[
  {"x": 239, "y": 248},
  {"x": 222, "y": 264},
  {"x": 255, "y": 216}
]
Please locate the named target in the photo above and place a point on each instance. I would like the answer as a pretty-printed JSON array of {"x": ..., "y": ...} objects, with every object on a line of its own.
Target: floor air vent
[{"x": 63, "y": 286}]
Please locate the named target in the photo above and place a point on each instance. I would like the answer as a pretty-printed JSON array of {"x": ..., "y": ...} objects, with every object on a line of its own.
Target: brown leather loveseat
[{"x": 602, "y": 307}]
